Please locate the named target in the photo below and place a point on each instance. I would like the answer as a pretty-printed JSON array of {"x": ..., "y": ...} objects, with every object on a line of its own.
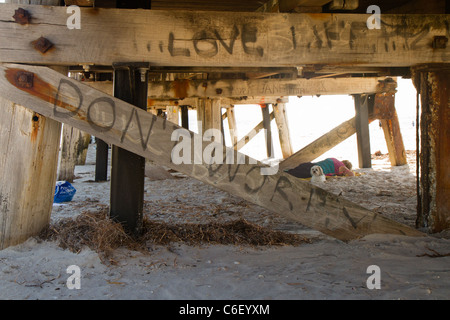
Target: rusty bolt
[
  {"x": 22, "y": 16},
  {"x": 24, "y": 79},
  {"x": 218, "y": 91},
  {"x": 42, "y": 44},
  {"x": 440, "y": 42}
]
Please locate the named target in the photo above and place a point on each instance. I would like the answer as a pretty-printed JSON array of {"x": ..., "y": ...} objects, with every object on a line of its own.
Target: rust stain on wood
[
  {"x": 41, "y": 90},
  {"x": 180, "y": 88}
]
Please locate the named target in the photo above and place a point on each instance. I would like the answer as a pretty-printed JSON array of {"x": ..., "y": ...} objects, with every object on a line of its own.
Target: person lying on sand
[{"x": 330, "y": 167}]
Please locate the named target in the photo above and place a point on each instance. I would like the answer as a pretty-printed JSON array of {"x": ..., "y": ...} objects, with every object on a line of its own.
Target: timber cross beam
[
  {"x": 120, "y": 123},
  {"x": 221, "y": 39}
]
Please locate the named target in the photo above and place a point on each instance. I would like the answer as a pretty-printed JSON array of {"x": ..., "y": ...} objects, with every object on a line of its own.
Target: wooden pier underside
[
  {"x": 119, "y": 123},
  {"x": 215, "y": 54}
]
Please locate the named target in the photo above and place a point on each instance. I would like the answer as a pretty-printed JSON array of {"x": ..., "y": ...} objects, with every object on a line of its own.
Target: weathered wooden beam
[
  {"x": 127, "y": 126},
  {"x": 321, "y": 145},
  {"x": 433, "y": 85},
  {"x": 80, "y": 3},
  {"x": 281, "y": 120},
  {"x": 267, "y": 119},
  {"x": 362, "y": 129},
  {"x": 343, "y": 5},
  {"x": 161, "y": 104},
  {"x": 172, "y": 113},
  {"x": 184, "y": 110},
  {"x": 231, "y": 117},
  {"x": 267, "y": 87},
  {"x": 209, "y": 114},
  {"x": 384, "y": 107},
  {"x": 221, "y": 39},
  {"x": 252, "y": 133},
  {"x": 29, "y": 144}
]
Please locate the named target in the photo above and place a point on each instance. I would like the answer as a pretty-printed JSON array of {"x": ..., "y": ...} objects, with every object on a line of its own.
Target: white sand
[{"x": 324, "y": 269}]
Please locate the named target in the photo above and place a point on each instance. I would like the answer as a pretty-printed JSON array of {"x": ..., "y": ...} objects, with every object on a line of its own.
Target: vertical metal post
[
  {"x": 184, "y": 117},
  {"x": 101, "y": 160},
  {"x": 128, "y": 169}
]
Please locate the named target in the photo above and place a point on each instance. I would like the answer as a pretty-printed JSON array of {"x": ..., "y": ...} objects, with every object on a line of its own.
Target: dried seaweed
[{"x": 100, "y": 233}]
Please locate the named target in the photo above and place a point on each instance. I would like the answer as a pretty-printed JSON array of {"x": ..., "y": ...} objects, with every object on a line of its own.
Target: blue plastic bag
[{"x": 64, "y": 192}]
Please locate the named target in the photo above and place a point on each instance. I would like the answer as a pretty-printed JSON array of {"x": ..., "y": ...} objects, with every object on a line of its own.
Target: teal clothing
[
  {"x": 330, "y": 167},
  {"x": 327, "y": 166}
]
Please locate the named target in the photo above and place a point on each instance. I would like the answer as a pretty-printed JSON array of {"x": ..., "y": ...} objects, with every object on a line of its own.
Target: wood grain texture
[
  {"x": 29, "y": 146},
  {"x": 140, "y": 132},
  {"x": 221, "y": 39},
  {"x": 266, "y": 87}
]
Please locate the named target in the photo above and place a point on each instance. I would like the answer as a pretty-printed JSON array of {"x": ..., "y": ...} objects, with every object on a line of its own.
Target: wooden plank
[
  {"x": 128, "y": 167},
  {"x": 362, "y": 130},
  {"x": 321, "y": 145},
  {"x": 101, "y": 160},
  {"x": 221, "y": 39},
  {"x": 84, "y": 141},
  {"x": 29, "y": 146},
  {"x": 161, "y": 104},
  {"x": 70, "y": 150},
  {"x": 231, "y": 117},
  {"x": 140, "y": 132},
  {"x": 283, "y": 129},
  {"x": 384, "y": 107},
  {"x": 266, "y": 87},
  {"x": 80, "y": 3}
]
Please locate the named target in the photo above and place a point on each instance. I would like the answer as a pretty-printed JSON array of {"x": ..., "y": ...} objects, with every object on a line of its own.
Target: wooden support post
[
  {"x": 184, "y": 116},
  {"x": 29, "y": 144},
  {"x": 209, "y": 114},
  {"x": 69, "y": 139},
  {"x": 433, "y": 85},
  {"x": 268, "y": 131},
  {"x": 83, "y": 142},
  {"x": 362, "y": 129},
  {"x": 231, "y": 117},
  {"x": 384, "y": 108},
  {"x": 283, "y": 129},
  {"x": 128, "y": 168},
  {"x": 246, "y": 139},
  {"x": 172, "y": 114}
]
